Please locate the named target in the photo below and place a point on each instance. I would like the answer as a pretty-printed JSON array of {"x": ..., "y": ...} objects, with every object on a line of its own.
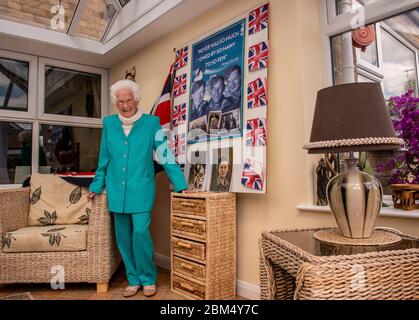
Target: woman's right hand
[{"x": 91, "y": 196}]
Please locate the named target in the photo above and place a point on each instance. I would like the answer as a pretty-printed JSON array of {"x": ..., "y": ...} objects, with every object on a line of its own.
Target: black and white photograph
[
  {"x": 230, "y": 121},
  {"x": 198, "y": 127},
  {"x": 222, "y": 167},
  {"x": 214, "y": 120},
  {"x": 198, "y": 106},
  {"x": 221, "y": 94},
  {"x": 197, "y": 171}
]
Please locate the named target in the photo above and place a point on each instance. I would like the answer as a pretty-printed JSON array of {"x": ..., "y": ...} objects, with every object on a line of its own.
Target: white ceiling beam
[{"x": 78, "y": 14}]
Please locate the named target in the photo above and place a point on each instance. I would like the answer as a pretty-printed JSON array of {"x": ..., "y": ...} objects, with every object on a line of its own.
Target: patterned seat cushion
[
  {"x": 46, "y": 239},
  {"x": 54, "y": 201}
]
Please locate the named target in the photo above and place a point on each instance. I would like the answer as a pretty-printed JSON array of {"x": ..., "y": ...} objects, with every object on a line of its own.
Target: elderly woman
[{"x": 126, "y": 169}]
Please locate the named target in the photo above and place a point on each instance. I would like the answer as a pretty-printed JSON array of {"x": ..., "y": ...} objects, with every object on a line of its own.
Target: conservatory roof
[{"x": 97, "y": 27}]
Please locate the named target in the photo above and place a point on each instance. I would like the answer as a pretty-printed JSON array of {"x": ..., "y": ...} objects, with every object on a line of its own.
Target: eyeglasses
[{"x": 123, "y": 102}]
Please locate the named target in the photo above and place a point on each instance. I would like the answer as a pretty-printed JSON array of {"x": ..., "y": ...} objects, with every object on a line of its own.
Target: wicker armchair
[{"x": 95, "y": 265}]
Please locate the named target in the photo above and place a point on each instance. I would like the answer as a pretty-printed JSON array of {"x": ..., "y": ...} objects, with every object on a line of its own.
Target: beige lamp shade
[{"x": 352, "y": 117}]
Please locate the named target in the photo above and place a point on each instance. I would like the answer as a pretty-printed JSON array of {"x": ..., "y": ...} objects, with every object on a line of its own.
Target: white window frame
[
  {"x": 370, "y": 76},
  {"x": 35, "y": 144},
  {"x": 36, "y": 92},
  {"x": 43, "y": 62},
  {"x": 32, "y": 88},
  {"x": 332, "y": 24},
  {"x": 374, "y": 11}
]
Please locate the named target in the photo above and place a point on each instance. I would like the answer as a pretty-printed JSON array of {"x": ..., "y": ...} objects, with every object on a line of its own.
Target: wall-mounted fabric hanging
[{"x": 220, "y": 100}]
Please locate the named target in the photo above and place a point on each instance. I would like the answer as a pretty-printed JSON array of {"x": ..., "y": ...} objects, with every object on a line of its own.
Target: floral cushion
[
  {"x": 44, "y": 239},
  {"x": 54, "y": 201}
]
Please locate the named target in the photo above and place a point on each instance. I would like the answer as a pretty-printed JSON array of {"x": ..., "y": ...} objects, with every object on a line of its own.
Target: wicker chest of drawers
[{"x": 203, "y": 245}]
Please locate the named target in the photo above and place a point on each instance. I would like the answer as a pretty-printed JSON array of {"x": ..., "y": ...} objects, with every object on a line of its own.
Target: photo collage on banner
[
  {"x": 216, "y": 95},
  {"x": 220, "y": 99}
]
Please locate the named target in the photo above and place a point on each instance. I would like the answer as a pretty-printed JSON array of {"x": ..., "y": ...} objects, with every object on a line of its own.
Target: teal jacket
[{"x": 126, "y": 165}]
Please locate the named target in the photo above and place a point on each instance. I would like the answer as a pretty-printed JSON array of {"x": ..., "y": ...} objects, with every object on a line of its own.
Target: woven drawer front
[
  {"x": 190, "y": 227},
  {"x": 189, "y": 268},
  {"x": 188, "y": 248},
  {"x": 189, "y": 288},
  {"x": 189, "y": 206}
]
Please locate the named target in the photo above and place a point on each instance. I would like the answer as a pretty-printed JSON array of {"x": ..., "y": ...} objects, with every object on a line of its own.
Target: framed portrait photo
[
  {"x": 214, "y": 121},
  {"x": 198, "y": 129},
  {"x": 197, "y": 171},
  {"x": 222, "y": 169}
]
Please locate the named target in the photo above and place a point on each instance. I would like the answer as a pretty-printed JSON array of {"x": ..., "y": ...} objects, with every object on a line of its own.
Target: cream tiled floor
[{"x": 86, "y": 291}]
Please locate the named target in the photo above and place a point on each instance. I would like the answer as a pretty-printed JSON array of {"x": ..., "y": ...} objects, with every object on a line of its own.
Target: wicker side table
[{"x": 294, "y": 265}]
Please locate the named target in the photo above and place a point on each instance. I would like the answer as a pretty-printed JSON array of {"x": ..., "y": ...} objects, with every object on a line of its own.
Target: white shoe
[{"x": 130, "y": 291}]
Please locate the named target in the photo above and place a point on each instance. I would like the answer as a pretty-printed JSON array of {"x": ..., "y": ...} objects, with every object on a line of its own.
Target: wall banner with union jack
[{"x": 220, "y": 102}]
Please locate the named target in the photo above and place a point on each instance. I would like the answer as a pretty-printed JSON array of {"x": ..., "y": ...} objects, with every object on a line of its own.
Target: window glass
[
  {"x": 95, "y": 19},
  {"x": 72, "y": 93},
  {"x": 52, "y": 15},
  {"x": 399, "y": 66},
  {"x": 69, "y": 149},
  {"x": 370, "y": 54},
  {"x": 337, "y": 43},
  {"x": 14, "y": 84},
  {"x": 15, "y": 152},
  {"x": 124, "y": 2}
]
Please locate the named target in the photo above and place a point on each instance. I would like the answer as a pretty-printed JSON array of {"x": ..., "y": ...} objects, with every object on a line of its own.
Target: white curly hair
[{"x": 125, "y": 85}]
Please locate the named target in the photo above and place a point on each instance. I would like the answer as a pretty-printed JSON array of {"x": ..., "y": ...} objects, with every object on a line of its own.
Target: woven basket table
[
  {"x": 203, "y": 245},
  {"x": 294, "y": 265}
]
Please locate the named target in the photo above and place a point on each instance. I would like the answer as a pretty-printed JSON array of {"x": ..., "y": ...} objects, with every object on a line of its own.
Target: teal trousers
[{"x": 136, "y": 247}]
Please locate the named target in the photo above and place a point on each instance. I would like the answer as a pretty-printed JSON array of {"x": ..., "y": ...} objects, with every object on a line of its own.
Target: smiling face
[
  {"x": 233, "y": 81},
  {"x": 126, "y": 104},
  {"x": 217, "y": 91},
  {"x": 198, "y": 96}
]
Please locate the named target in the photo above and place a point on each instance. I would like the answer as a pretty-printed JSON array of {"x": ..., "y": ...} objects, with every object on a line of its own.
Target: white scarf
[{"x": 127, "y": 123}]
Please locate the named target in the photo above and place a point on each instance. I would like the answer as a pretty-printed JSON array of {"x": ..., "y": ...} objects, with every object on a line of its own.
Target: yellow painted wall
[{"x": 296, "y": 73}]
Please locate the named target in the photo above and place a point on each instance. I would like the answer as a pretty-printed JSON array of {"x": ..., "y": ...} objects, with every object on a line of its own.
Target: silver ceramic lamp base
[{"x": 355, "y": 198}]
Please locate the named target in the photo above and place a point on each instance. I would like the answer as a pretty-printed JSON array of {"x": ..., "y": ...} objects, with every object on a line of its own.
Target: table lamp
[{"x": 348, "y": 118}]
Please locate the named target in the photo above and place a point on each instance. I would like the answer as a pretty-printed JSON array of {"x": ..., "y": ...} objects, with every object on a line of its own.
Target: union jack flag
[
  {"x": 258, "y": 56},
  {"x": 250, "y": 177},
  {"x": 178, "y": 144},
  {"x": 179, "y": 86},
  {"x": 256, "y": 94},
  {"x": 258, "y": 19},
  {"x": 256, "y": 132},
  {"x": 181, "y": 58},
  {"x": 163, "y": 104},
  {"x": 179, "y": 115}
]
